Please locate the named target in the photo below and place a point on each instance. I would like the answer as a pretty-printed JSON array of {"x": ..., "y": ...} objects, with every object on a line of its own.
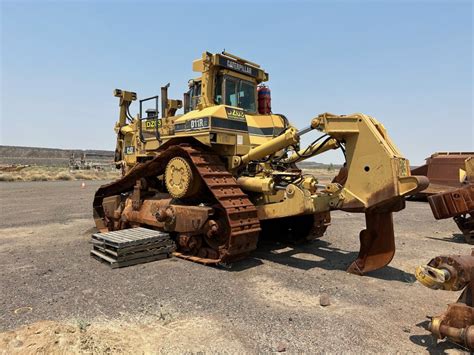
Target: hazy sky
[{"x": 407, "y": 63}]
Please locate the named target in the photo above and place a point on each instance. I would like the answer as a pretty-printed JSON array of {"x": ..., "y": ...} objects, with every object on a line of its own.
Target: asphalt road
[{"x": 267, "y": 303}]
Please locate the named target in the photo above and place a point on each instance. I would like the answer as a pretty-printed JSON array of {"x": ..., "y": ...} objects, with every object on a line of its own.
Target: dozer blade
[{"x": 377, "y": 243}]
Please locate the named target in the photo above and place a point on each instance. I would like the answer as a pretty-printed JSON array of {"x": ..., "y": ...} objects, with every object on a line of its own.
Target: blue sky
[{"x": 409, "y": 64}]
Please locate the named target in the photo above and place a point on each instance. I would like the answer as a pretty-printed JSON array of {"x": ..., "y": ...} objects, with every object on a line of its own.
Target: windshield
[
  {"x": 247, "y": 96},
  {"x": 237, "y": 93}
]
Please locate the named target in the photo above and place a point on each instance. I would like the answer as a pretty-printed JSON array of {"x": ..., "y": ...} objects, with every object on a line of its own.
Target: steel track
[{"x": 242, "y": 227}]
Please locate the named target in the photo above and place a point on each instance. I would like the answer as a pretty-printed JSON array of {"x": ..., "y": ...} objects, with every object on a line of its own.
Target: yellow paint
[{"x": 377, "y": 172}]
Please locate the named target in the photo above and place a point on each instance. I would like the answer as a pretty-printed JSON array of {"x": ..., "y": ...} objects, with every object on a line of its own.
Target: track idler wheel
[
  {"x": 377, "y": 243},
  {"x": 180, "y": 179}
]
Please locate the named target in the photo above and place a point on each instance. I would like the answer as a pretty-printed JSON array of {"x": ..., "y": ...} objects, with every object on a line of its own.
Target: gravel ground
[{"x": 269, "y": 302}]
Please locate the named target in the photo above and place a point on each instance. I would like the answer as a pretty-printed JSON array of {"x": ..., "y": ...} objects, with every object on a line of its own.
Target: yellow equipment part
[
  {"x": 257, "y": 184},
  {"x": 179, "y": 178},
  {"x": 222, "y": 154},
  {"x": 289, "y": 137},
  {"x": 432, "y": 277}
]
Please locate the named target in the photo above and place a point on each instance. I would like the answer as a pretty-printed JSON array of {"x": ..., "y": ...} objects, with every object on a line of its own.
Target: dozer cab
[{"x": 224, "y": 172}]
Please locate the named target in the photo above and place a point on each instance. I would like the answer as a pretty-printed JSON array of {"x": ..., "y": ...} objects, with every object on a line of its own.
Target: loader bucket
[{"x": 377, "y": 243}]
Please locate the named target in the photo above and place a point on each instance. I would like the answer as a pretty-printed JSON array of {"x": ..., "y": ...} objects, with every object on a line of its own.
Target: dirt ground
[{"x": 54, "y": 298}]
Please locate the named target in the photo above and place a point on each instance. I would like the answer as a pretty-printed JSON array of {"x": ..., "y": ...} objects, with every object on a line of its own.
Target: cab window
[
  {"x": 235, "y": 92},
  {"x": 247, "y": 96},
  {"x": 218, "y": 94},
  {"x": 195, "y": 94},
  {"x": 231, "y": 97}
]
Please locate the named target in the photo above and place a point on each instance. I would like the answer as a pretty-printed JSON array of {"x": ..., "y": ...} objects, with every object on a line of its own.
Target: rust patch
[
  {"x": 452, "y": 203},
  {"x": 442, "y": 169},
  {"x": 458, "y": 204},
  {"x": 377, "y": 244},
  {"x": 236, "y": 215},
  {"x": 457, "y": 322}
]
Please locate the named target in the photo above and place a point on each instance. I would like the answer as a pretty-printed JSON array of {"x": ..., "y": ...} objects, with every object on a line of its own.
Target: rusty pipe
[{"x": 464, "y": 336}]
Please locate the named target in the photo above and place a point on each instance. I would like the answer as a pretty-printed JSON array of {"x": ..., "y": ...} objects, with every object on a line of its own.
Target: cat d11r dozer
[{"x": 224, "y": 172}]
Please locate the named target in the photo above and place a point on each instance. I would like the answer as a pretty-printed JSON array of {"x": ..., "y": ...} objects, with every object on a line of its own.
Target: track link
[{"x": 242, "y": 224}]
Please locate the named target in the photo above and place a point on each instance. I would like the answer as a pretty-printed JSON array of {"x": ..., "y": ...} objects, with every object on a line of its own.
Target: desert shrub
[
  {"x": 63, "y": 176},
  {"x": 6, "y": 177},
  {"x": 83, "y": 176},
  {"x": 42, "y": 173},
  {"x": 38, "y": 177}
]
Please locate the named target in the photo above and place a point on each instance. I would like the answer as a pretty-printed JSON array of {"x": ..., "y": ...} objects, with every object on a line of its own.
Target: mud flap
[{"x": 377, "y": 243}]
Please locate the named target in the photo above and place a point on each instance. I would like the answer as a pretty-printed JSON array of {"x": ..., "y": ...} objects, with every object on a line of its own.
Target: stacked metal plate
[{"x": 131, "y": 246}]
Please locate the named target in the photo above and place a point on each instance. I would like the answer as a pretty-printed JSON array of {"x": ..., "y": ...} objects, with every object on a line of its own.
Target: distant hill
[{"x": 49, "y": 156}]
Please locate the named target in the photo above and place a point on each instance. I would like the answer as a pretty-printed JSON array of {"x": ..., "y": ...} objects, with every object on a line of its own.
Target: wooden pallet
[{"x": 131, "y": 246}]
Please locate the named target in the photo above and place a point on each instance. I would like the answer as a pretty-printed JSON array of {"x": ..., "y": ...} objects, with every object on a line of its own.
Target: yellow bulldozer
[{"x": 224, "y": 172}]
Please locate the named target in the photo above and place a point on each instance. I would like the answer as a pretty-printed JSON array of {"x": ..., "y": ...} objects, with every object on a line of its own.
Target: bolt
[
  {"x": 164, "y": 215},
  {"x": 212, "y": 228}
]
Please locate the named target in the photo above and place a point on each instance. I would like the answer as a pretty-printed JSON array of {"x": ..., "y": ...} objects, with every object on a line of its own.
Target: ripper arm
[
  {"x": 378, "y": 178},
  {"x": 377, "y": 174}
]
